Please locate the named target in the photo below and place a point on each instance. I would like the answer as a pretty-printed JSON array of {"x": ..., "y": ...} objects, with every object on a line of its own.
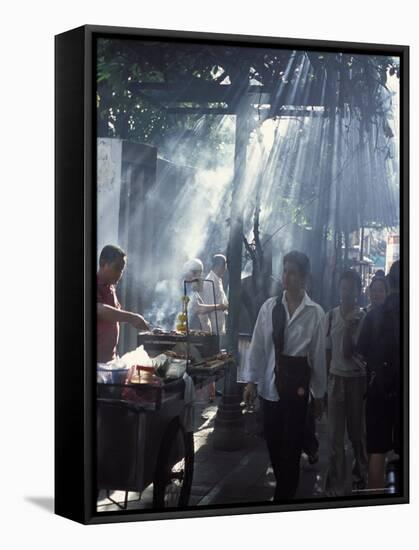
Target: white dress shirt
[
  {"x": 220, "y": 298},
  {"x": 304, "y": 337}
]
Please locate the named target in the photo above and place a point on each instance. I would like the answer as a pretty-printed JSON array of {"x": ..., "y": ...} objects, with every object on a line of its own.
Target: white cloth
[
  {"x": 189, "y": 398},
  {"x": 334, "y": 342},
  {"x": 220, "y": 298},
  {"x": 304, "y": 336},
  {"x": 196, "y": 320}
]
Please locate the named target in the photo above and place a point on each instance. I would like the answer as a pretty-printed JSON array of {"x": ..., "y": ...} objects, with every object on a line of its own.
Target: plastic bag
[
  {"x": 177, "y": 369},
  {"x": 137, "y": 357},
  {"x": 113, "y": 372}
]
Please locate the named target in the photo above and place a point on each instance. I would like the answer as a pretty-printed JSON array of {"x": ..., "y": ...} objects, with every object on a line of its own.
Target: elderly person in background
[
  {"x": 198, "y": 310},
  {"x": 193, "y": 269},
  {"x": 215, "y": 286},
  {"x": 219, "y": 267}
]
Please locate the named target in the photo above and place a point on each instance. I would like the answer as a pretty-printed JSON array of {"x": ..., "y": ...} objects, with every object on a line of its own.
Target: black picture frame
[{"x": 75, "y": 259}]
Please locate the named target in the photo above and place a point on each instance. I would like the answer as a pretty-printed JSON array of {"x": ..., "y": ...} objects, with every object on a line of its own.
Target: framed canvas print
[{"x": 231, "y": 274}]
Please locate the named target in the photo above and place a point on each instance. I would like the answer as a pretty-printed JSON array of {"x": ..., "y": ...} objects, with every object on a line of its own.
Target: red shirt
[{"x": 107, "y": 331}]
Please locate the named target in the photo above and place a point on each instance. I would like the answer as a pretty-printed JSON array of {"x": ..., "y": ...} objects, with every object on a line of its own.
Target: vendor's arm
[
  {"x": 208, "y": 308},
  {"x": 113, "y": 314}
]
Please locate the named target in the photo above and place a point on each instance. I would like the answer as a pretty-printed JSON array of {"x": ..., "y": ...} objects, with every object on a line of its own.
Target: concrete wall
[
  {"x": 126, "y": 174},
  {"x": 109, "y": 162}
]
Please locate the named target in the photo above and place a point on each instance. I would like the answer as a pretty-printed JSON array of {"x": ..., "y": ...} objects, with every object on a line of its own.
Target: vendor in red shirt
[{"x": 109, "y": 312}]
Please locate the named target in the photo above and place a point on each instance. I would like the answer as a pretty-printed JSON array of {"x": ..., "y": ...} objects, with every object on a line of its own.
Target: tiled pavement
[{"x": 225, "y": 477}]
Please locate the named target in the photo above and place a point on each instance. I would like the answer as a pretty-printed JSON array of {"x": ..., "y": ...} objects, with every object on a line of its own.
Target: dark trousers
[
  {"x": 310, "y": 442},
  {"x": 284, "y": 422}
]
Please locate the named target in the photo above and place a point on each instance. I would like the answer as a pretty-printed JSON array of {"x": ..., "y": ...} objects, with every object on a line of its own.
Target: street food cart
[{"x": 144, "y": 430}]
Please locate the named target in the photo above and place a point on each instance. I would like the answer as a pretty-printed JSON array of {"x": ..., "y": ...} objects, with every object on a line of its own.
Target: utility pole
[{"x": 229, "y": 425}]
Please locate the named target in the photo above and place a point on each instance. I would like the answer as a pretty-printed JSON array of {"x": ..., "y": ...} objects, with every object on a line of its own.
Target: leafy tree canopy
[{"x": 156, "y": 92}]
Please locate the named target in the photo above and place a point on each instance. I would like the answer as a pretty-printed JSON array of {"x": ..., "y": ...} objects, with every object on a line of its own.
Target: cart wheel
[{"x": 174, "y": 469}]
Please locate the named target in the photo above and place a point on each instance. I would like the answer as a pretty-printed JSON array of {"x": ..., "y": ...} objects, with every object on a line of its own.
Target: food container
[
  {"x": 107, "y": 373},
  {"x": 145, "y": 373},
  {"x": 141, "y": 374},
  {"x": 119, "y": 376}
]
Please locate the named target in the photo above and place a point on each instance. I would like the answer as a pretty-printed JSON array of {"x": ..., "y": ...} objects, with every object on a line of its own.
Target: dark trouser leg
[
  {"x": 396, "y": 426},
  {"x": 310, "y": 442},
  {"x": 355, "y": 418},
  {"x": 272, "y": 427},
  {"x": 335, "y": 479},
  {"x": 284, "y": 423}
]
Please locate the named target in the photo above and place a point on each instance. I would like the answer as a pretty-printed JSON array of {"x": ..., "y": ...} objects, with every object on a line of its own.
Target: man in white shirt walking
[{"x": 286, "y": 360}]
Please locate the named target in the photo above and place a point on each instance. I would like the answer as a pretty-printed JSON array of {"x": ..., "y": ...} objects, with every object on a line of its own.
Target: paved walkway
[
  {"x": 225, "y": 477},
  {"x": 246, "y": 475}
]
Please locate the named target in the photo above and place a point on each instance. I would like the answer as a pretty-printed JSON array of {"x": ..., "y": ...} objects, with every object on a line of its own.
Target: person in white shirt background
[
  {"x": 217, "y": 318},
  {"x": 303, "y": 341},
  {"x": 198, "y": 310},
  {"x": 346, "y": 387}
]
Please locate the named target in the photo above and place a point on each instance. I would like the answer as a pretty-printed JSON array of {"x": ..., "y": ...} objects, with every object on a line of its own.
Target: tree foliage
[{"x": 139, "y": 81}]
